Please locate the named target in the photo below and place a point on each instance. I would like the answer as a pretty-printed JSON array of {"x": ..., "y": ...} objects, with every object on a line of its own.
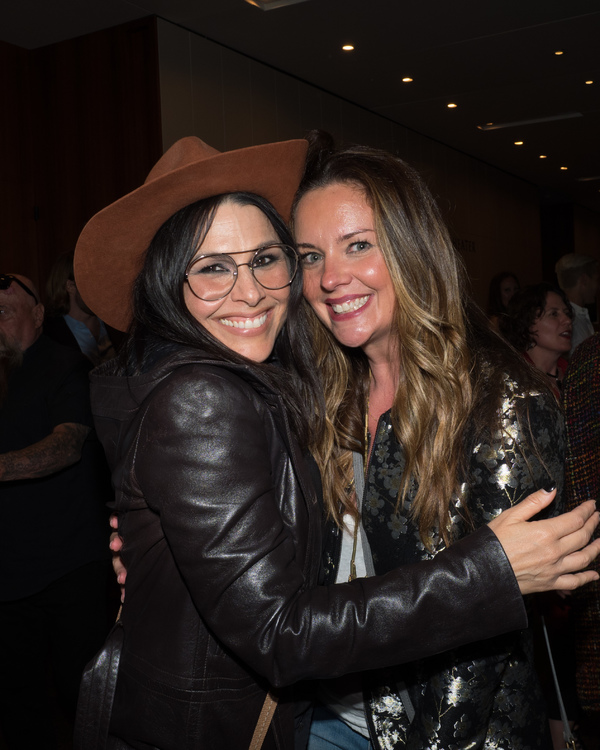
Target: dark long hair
[
  {"x": 162, "y": 322},
  {"x": 524, "y": 309}
]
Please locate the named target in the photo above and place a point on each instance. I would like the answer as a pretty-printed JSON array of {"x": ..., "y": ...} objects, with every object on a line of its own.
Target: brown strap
[{"x": 264, "y": 721}]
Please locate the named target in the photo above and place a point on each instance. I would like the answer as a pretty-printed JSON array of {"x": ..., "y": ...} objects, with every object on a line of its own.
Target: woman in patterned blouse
[{"x": 453, "y": 425}]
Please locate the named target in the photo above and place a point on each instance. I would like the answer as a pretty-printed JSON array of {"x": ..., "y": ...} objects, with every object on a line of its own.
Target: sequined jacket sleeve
[{"x": 486, "y": 694}]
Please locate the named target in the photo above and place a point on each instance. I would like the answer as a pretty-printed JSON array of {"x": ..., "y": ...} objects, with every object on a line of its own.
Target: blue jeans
[{"x": 328, "y": 732}]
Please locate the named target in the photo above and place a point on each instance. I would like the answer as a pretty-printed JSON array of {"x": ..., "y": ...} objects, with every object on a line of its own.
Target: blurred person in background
[
  {"x": 53, "y": 485},
  {"x": 578, "y": 278},
  {"x": 68, "y": 319},
  {"x": 502, "y": 288},
  {"x": 539, "y": 324}
]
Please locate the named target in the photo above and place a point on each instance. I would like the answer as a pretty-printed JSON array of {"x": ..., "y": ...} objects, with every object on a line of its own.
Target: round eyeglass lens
[
  {"x": 212, "y": 277},
  {"x": 274, "y": 267}
]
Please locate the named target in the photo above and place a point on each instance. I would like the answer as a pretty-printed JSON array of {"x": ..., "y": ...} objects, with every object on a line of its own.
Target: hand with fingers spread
[
  {"x": 547, "y": 555},
  {"x": 551, "y": 554}
]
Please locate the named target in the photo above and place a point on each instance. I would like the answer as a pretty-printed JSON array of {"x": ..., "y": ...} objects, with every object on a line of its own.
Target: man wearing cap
[
  {"x": 578, "y": 278},
  {"x": 53, "y": 553}
]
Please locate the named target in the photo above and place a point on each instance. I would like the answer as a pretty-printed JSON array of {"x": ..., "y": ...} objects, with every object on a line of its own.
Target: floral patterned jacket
[{"x": 485, "y": 695}]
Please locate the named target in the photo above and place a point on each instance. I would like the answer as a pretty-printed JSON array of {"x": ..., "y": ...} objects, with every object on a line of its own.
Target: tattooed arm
[{"x": 60, "y": 449}]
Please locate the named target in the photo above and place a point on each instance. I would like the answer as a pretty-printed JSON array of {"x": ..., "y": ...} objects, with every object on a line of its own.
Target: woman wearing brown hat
[{"x": 205, "y": 418}]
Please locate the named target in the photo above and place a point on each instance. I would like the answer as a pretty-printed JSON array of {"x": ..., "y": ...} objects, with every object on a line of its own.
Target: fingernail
[{"x": 550, "y": 486}]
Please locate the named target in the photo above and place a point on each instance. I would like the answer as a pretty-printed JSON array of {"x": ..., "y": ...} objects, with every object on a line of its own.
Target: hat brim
[{"x": 110, "y": 250}]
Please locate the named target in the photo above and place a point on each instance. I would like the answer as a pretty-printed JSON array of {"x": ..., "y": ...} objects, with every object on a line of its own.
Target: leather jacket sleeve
[{"x": 209, "y": 463}]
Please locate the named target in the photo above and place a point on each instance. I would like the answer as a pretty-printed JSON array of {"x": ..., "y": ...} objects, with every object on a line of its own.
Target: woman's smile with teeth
[
  {"x": 351, "y": 305},
  {"x": 247, "y": 323}
]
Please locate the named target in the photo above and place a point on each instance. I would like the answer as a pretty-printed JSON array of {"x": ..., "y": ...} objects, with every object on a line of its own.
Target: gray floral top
[{"x": 485, "y": 695}]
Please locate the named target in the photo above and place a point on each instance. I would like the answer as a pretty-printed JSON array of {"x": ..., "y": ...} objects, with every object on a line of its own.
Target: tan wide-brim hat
[{"x": 110, "y": 250}]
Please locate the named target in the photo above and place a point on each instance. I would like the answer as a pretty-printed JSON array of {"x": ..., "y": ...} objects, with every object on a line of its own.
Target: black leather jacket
[{"x": 223, "y": 542}]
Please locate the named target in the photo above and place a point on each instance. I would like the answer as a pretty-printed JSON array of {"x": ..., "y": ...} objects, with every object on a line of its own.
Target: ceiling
[{"x": 495, "y": 59}]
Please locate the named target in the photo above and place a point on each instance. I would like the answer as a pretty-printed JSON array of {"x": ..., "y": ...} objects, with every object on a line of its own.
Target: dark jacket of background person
[
  {"x": 582, "y": 476},
  {"x": 57, "y": 328},
  {"x": 57, "y": 523},
  {"x": 226, "y": 534},
  {"x": 54, "y": 557}
]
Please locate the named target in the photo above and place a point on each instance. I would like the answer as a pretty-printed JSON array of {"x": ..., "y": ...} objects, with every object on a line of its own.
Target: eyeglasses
[
  {"x": 212, "y": 277},
  {"x": 6, "y": 279}
]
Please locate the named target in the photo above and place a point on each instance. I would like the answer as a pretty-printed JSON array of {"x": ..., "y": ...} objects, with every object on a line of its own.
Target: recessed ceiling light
[
  {"x": 564, "y": 169},
  {"x": 518, "y": 143},
  {"x": 452, "y": 106},
  {"x": 559, "y": 52},
  {"x": 589, "y": 82},
  {"x": 543, "y": 156},
  {"x": 407, "y": 80},
  {"x": 348, "y": 47}
]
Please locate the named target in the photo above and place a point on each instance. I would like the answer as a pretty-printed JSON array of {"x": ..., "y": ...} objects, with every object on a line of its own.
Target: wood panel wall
[
  {"x": 87, "y": 132},
  {"x": 17, "y": 246}
]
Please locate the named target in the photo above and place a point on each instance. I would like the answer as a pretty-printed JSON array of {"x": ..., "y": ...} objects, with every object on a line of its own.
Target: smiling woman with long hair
[{"x": 450, "y": 424}]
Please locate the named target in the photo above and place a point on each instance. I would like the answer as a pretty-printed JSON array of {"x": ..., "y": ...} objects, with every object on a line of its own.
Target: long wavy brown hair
[{"x": 452, "y": 365}]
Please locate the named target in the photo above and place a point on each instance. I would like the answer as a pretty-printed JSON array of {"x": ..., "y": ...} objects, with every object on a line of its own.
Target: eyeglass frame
[
  {"x": 294, "y": 256},
  {"x": 4, "y": 276}
]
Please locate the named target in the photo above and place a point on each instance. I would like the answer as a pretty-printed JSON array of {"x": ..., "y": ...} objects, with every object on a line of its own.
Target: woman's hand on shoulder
[
  {"x": 116, "y": 544},
  {"x": 550, "y": 554}
]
